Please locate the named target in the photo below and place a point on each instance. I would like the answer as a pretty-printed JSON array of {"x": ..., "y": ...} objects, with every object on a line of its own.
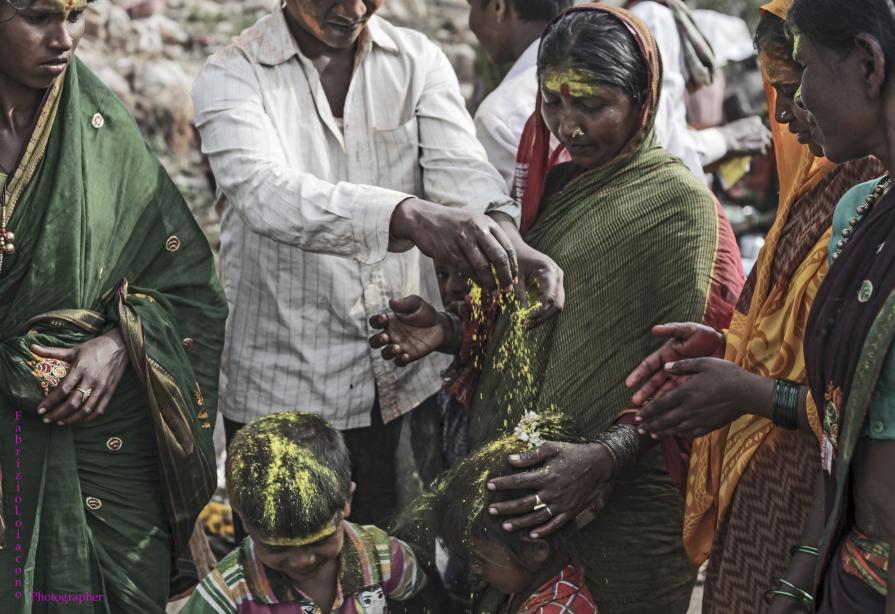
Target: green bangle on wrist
[
  {"x": 786, "y": 404},
  {"x": 800, "y": 548},
  {"x": 785, "y": 588},
  {"x": 777, "y": 592}
]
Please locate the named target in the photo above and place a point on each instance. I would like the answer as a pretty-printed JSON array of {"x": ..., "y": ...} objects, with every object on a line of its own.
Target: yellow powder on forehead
[
  {"x": 308, "y": 539},
  {"x": 57, "y": 6},
  {"x": 571, "y": 82}
]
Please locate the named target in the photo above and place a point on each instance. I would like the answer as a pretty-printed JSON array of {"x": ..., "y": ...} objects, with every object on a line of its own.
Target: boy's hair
[
  {"x": 456, "y": 509},
  {"x": 289, "y": 474}
]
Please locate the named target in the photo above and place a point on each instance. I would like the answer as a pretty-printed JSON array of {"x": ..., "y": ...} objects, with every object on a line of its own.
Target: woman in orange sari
[{"x": 751, "y": 481}]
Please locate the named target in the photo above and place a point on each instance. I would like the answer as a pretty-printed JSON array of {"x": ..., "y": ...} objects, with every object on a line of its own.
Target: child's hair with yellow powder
[{"x": 289, "y": 474}]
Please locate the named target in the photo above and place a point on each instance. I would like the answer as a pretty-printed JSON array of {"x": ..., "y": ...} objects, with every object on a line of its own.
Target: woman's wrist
[
  {"x": 621, "y": 443},
  {"x": 452, "y": 331},
  {"x": 722, "y": 344}
]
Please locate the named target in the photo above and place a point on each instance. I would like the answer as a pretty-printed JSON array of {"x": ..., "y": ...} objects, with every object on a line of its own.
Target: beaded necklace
[
  {"x": 6, "y": 236},
  {"x": 860, "y": 213}
]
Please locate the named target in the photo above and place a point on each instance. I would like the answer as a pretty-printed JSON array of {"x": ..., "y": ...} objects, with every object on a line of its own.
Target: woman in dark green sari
[
  {"x": 111, "y": 328},
  {"x": 639, "y": 240}
]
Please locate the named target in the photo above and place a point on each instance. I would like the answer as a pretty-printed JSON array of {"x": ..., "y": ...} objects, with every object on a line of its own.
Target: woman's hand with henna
[
  {"x": 564, "y": 483},
  {"x": 685, "y": 340},
  {"x": 96, "y": 368}
]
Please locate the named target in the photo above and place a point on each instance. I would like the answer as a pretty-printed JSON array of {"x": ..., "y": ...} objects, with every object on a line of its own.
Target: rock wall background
[{"x": 149, "y": 51}]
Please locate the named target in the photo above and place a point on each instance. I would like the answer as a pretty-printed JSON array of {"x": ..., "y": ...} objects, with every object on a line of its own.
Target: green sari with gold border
[{"x": 103, "y": 240}]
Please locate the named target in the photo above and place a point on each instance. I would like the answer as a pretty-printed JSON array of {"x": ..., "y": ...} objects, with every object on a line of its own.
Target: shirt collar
[{"x": 278, "y": 46}]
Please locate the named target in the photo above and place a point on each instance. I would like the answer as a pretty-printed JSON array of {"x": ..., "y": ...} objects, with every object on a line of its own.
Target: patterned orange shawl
[{"x": 765, "y": 338}]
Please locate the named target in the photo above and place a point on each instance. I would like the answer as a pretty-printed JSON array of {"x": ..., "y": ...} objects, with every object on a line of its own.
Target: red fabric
[
  {"x": 537, "y": 154},
  {"x": 565, "y": 593}
]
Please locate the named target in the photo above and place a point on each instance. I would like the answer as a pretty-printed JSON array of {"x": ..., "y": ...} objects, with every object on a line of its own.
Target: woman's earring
[{"x": 577, "y": 132}]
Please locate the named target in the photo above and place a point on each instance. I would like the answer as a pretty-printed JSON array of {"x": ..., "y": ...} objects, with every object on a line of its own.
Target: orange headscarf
[{"x": 767, "y": 340}]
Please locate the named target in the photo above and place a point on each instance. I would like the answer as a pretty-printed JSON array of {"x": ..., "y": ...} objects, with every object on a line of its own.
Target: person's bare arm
[{"x": 802, "y": 566}]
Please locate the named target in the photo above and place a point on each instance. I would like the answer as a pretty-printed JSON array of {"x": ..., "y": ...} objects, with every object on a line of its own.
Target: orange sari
[{"x": 767, "y": 332}]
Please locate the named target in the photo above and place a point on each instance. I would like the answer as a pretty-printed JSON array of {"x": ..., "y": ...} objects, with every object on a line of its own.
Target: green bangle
[
  {"x": 803, "y": 595},
  {"x": 804, "y": 550},
  {"x": 776, "y": 592}
]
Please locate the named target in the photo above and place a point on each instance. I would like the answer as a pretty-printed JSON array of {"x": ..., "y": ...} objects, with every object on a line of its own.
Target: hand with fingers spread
[
  {"x": 716, "y": 393},
  {"x": 96, "y": 368},
  {"x": 564, "y": 481},
  {"x": 412, "y": 330},
  {"x": 461, "y": 240},
  {"x": 685, "y": 340}
]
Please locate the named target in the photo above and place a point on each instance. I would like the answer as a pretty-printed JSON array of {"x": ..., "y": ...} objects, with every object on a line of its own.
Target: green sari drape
[
  {"x": 638, "y": 240},
  {"x": 103, "y": 240}
]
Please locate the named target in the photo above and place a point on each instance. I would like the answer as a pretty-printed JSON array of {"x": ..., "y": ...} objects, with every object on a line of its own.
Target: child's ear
[
  {"x": 346, "y": 511},
  {"x": 539, "y": 549}
]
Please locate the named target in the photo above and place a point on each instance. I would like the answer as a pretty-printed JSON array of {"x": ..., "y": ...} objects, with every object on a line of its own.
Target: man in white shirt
[
  {"x": 322, "y": 122},
  {"x": 510, "y": 31}
]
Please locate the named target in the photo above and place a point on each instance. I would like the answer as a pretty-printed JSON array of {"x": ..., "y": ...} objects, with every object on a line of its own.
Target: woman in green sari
[
  {"x": 111, "y": 328},
  {"x": 639, "y": 239}
]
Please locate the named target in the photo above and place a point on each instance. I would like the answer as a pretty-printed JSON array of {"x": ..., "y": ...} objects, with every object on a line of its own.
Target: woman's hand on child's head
[
  {"x": 564, "y": 484},
  {"x": 412, "y": 330}
]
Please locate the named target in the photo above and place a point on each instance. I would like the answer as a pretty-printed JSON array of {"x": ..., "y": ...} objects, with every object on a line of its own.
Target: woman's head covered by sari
[
  {"x": 798, "y": 143},
  {"x": 847, "y": 49},
  {"x": 567, "y": 43},
  {"x": 600, "y": 77}
]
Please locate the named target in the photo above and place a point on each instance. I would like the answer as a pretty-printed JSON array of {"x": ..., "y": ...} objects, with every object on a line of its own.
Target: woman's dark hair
[
  {"x": 455, "y": 509},
  {"x": 771, "y": 35},
  {"x": 461, "y": 511},
  {"x": 289, "y": 474},
  {"x": 834, "y": 24},
  {"x": 599, "y": 45}
]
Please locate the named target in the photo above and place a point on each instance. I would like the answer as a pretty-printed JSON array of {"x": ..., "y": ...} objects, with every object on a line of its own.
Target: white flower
[{"x": 527, "y": 429}]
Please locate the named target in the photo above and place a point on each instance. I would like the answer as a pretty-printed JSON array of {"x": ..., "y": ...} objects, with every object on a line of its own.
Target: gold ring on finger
[
  {"x": 85, "y": 393},
  {"x": 539, "y": 505}
]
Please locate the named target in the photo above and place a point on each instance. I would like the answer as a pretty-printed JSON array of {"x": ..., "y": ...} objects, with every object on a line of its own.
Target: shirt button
[
  {"x": 93, "y": 503},
  {"x": 98, "y": 121},
  {"x": 877, "y": 427},
  {"x": 114, "y": 443},
  {"x": 187, "y": 344},
  {"x": 172, "y": 244}
]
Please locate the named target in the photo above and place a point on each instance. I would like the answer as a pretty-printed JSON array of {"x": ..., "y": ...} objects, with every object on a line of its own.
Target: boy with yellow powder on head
[{"x": 289, "y": 479}]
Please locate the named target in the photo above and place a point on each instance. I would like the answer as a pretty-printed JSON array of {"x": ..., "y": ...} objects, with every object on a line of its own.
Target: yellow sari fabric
[{"x": 767, "y": 340}]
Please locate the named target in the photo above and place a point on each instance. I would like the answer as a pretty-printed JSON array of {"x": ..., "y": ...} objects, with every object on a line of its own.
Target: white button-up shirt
[
  {"x": 501, "y": 117},
  {"x": 305, "y": 231}
]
